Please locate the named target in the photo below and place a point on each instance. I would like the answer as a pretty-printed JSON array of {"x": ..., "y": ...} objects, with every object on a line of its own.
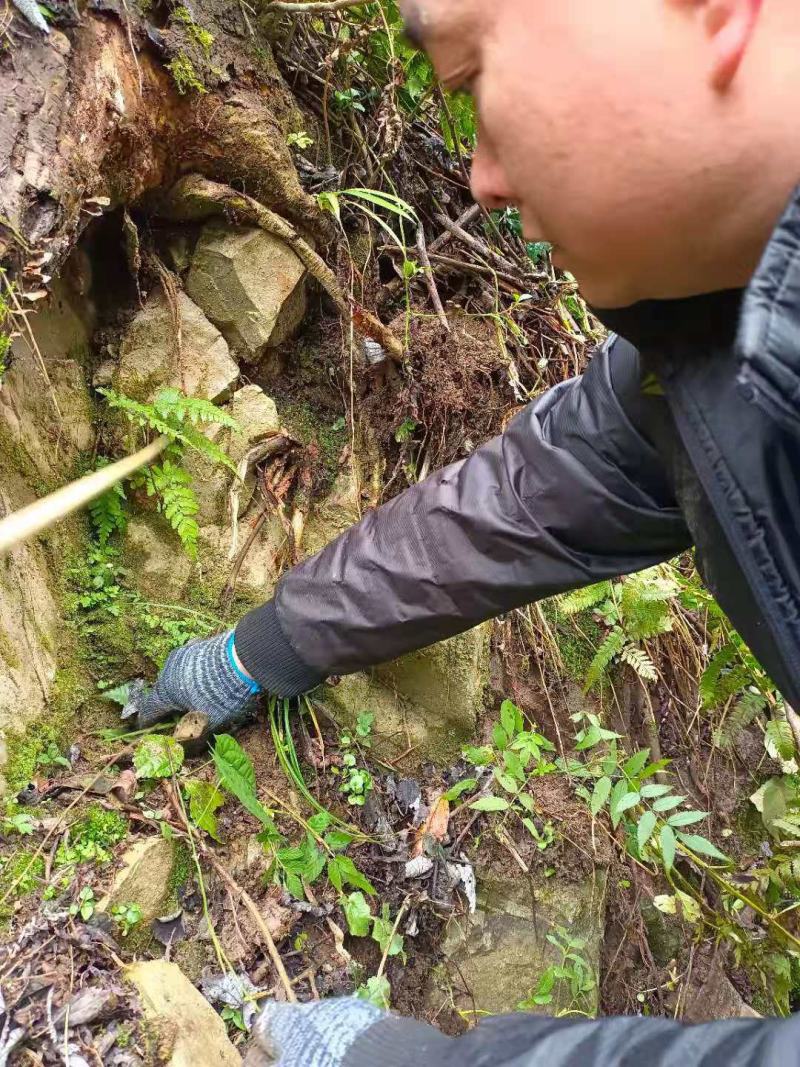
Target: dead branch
[
  {"x": 436, "y": 300},
  {"x": 463, "y": 220},
  {"x": 475, "y": 243},
  {"x": 314, "y": 7}
]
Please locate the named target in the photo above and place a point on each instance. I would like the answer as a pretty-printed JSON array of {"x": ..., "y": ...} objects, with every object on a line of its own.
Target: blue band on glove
[{"x": 251, "y": 682}]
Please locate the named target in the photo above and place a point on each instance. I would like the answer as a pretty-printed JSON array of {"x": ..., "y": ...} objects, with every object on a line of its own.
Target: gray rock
[
  {"x": 427, "y": 701},
  {"x": 250, "y": 285},
  {"x": 156, "y": 559},
  {"x": 502, "y": 951},
  {"x": 148, "y": 360},
  {"x": 257, "y": 417},
  {"x": 144, "y": 879},
  {"x": 190, "y": 1031}
]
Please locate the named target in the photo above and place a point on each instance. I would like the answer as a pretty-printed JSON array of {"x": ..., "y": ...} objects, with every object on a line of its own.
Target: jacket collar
[
  {"x": 761, "y": 324},
  {"x": 768, "y": 343}
]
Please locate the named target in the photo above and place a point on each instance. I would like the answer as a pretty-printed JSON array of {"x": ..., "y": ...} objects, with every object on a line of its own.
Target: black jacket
[
  {"x": 597, "y": 478},
  {"x": 601, "y": 476}
]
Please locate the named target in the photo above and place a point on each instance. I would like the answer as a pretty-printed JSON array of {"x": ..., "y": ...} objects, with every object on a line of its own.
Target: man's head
[{"x": 653, "y": 142}]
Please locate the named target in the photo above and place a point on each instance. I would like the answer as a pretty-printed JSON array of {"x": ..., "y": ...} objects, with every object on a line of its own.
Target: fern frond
[
  {"x": 583, "y": 599},
  {"x": 746, "y": 709},
  {"x": 176, "y": 421},
  {"x": 779, "y": 739},
  {"x": 645, "y": 602},
  {"x": 176, "y": 501},
  {"x": 172, "y": 403},
  {"x": 610, "y": 648},
  {"x": 108, "y": 513},
  {"x": 641, "y": 663},
  {"x": 709, "y": 688}
]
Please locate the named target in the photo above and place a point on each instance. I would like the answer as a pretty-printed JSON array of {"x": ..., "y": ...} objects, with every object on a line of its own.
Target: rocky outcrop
[
  {"x": 257, "y": 419},
  {"x": 144, "y": 878},
  {"x": 495, "y": 958},
  {"x": 152, "y": 357},
  {"x": 250, "y": 285},
  {"x": 426, "y": 704},
  {"x": 188, "y": 1031}
]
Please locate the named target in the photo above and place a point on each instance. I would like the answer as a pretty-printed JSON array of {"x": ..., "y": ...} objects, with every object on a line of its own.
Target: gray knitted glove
[
  {"x": 201, "y": 676},
  {"x": 317, "y": 1034}
]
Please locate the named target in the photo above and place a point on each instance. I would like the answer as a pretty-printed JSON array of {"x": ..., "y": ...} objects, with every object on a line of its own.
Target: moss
[
  {"x": 7, "y": 651},
  {"x": 23, "y": 870},
  {"x": 578, "y": 639},
  {"x": 311, "y": 427},
  {"x": 182, "y": 870}
]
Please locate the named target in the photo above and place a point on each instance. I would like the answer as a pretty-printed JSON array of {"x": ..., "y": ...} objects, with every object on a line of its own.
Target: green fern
[
  {"x": 779, "y": 740},
  {"x": 583, "y": 599},
  {"x": 641, "y": 663},
  {"x": 611, "y": 647},
  {"x": 177, "y": 417},
  {"x": 645, "y": 603},
  {"x": 108, "y": 514},
  {"x": 747, "y": 708},
  {"x": 710, "y": 681},
  {"x": 172, "y": 486}
]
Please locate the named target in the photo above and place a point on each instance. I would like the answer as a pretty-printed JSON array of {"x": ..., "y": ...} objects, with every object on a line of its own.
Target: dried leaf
[{"x": 435, "y": 825}]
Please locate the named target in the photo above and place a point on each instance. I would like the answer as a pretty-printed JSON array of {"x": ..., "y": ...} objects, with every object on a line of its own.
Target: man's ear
[{"x": 729, "y": 25}]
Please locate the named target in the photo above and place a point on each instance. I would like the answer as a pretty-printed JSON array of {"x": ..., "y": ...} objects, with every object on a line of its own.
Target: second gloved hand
[{"x": 203, "y": 676}]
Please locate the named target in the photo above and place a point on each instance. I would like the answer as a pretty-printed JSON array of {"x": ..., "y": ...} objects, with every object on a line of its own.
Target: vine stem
[{"x": 400, "y": 912}]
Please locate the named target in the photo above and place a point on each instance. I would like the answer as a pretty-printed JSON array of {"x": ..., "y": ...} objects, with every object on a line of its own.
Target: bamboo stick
[{"x": 28, "y": 521}]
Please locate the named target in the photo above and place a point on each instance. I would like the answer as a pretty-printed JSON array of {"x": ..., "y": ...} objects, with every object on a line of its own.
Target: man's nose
[{"x": 488, "y": 181}]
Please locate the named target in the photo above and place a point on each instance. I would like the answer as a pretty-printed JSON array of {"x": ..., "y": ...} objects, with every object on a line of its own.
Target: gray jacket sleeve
[
  {"x": 572, "y": 492},
  {"x": 523, "y": 1040}
]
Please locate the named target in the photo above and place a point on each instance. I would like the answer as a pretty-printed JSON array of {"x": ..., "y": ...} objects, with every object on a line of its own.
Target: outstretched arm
[{"x": 571, "y": 493}]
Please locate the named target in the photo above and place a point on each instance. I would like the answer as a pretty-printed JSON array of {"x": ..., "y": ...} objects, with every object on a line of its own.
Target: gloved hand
[
  {"x": 204, "y": 675},
  {"x": 317, "y": 1034}
]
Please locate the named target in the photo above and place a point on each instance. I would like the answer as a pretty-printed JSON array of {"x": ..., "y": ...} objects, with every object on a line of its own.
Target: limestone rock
[
  {"x": 156, "y": 559},
  {"x": 257, "y": 417},
  {"x": 144, "y": 878},
  {"x": 188, "y": 1030},
  {"x": 716, "y": 998},
  {"x": 250, "y": 285},
  {"x": 148, "y": 360},
  {"x": 428, "y": 700},
  {"x": 502, "y": 951}
]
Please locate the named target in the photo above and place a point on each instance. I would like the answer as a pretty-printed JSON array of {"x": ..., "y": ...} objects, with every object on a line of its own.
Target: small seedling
[
  {"x": 85, "y": 904},
  {"x": 299, "y": 140},
  {"x": 126, "y": 916}
]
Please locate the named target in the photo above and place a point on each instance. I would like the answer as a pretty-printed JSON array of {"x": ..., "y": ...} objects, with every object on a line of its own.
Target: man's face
[{"x": 598, "y": 120}]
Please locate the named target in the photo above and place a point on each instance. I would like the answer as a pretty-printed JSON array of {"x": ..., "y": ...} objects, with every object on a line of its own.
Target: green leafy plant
[
  {"x": 377, "y": 991},
  {"x": 17, "y": 822},
  {"x": 126, "y": 916},
  {"x": 85, "y": 904},
  {"x": 157, "y": 756},
  {"x": 205, "y": 800},
  {"x": 319, "y": 850},
  {"x": 356, "y": 782},
  {"x": 573, "y": 973},
  {"x": 517, "y": 755},
  {"x": 362, "y": 923},
  {"x": 300, "y": 140}
]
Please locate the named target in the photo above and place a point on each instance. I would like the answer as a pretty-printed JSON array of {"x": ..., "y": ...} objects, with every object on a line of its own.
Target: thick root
[{"x": 194, "y": 198}]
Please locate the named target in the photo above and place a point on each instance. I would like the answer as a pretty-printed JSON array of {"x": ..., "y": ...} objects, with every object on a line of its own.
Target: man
[{"x": 655, "y": 144}]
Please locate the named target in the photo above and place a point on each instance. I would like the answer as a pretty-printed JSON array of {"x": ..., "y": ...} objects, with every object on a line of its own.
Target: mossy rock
[
  {"x": 501, "y": 952},
  {"x": 427, "y": 702}
]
